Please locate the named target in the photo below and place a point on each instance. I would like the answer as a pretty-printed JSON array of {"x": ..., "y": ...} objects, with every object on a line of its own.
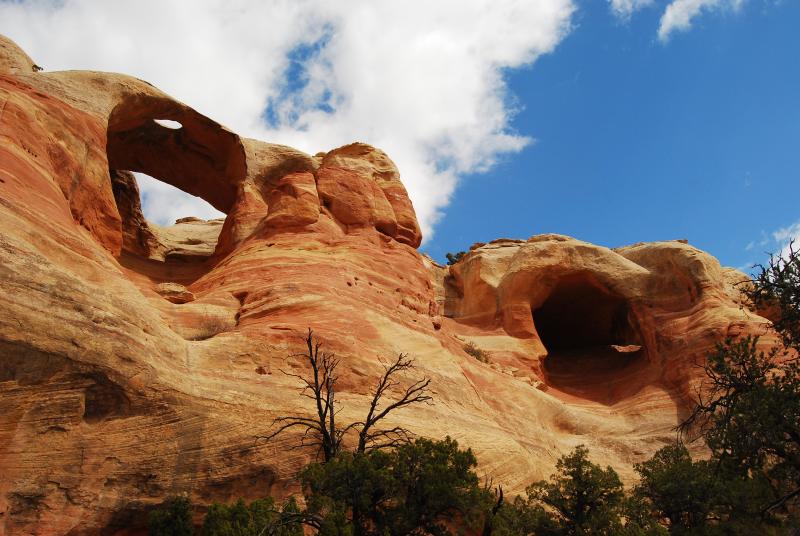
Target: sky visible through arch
[{"x": 612, "y": 121}]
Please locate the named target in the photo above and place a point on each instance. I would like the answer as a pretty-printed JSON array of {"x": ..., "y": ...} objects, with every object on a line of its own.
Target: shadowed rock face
[{"x": 138, "y": 362}]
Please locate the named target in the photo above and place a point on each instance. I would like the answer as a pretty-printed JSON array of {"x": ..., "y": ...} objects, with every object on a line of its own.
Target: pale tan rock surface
[{"x": 139, "y": 362}]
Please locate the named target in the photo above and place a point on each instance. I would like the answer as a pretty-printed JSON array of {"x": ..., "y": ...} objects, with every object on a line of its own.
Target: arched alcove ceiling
[{"x": 200, "y": 157}]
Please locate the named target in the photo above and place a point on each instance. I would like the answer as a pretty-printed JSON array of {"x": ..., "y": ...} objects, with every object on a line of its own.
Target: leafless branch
[
  {"x": 322, "y": 430},
  {"x": 416, "y": 393}
]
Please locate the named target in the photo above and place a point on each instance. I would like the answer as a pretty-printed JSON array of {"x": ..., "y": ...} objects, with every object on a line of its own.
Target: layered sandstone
[{"x": 139, "y": 362}]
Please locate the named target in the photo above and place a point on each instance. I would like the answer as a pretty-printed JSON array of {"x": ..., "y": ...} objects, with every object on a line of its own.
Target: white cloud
[
  {"x": 163, "y": 203},
  {"x": 785, "y": 236},
  {"x": 777, "y": 243},
  {"x": 625, "y": 8},
  {"x": 422, "y": 80},
  {"x": 679, "y": 14}
]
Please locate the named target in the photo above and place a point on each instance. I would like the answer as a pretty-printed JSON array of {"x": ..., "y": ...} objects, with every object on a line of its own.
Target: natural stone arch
[{"x": 201, "y": 157}]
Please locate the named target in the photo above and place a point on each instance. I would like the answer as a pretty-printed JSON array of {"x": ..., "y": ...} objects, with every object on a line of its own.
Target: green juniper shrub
[
  {"x": 523, "y": 517},
  {"x": 581, "y": 498},
  {"x": 638, "y": 519},
  {"x": 678, "y": 490},
  {"x": 748, "y": 413},
  {"x": 172, "y": 518},
  {"x": 255, "y": 519},
  {"x": 438, "y": 484},
  {"x": 702, "y": 497},
  {"x": 421, "y": 487}
]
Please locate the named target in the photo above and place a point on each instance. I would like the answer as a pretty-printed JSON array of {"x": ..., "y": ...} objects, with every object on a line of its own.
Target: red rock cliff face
[{"x": 139, "y": 362}]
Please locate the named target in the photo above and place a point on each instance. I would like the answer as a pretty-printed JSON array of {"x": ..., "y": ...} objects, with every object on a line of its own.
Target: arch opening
[
  {"x": 166, "y": 145},
  {"x": 174, "y": 250},
  {"x": 176, "y": 145},
  {"x": 592, "y": 340},
  {"x": 164, "y": 205},
  {"x": 168, "y": 123}
]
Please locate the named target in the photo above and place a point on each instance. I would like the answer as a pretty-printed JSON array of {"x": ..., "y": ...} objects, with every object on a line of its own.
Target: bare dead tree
[
  {"x": 370, "y": 437},
  {"x": 319, "y": 431},
  {"x": 322, "y": 430}
]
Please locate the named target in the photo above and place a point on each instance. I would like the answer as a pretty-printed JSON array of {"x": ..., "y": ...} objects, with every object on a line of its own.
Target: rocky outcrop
[
  {"x": 602, "y": 324},
  {"x": 139, "y": 362}
]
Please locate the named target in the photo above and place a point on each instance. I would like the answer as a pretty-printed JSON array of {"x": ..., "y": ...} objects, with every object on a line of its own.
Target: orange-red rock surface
[{"x": 139, "y": 362}]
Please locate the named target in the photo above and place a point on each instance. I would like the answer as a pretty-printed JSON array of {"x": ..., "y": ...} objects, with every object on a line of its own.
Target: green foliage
[
  {"x": 173, "y": 518},
  {"x": 702, "y": 497},
  {"x": 452, "y": 259},
  {"x": 476, "y": 352},
  {"x": 749, "y": 416},
  {"x": 753, "y": 414},
  {"x": 418, "y": 488},
  {"x": 639, "y": 519},
  {"x": 678, "y": 489},
  {"x": 524, "y": 517},
  {"x": 436, "y": 483},
  {"x": 240, "y": 519},
  {"x": 776, "y": 288},
  {"x": 581, "y": 498}
]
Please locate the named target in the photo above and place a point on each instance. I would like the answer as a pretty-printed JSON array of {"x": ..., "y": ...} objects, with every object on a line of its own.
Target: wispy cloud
[
  {"x": 785, "y": 236},
  {"x": 422, "y": 80},
  {"x": 776, "y": 242},
  {"x": 625, "y": 8},
  {"x": 679, "y": 14}
]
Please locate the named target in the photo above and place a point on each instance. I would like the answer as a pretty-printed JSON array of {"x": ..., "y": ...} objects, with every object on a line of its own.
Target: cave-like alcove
[
  {"x": 580, "y": 313},
  {"x": 591, "y": 338}
]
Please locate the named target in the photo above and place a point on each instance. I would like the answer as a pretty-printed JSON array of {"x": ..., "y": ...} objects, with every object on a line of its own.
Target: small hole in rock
[{"x": 168, "y": 123}]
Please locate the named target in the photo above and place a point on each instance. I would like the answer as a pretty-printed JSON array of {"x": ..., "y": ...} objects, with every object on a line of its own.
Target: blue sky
[
  {"x": 614, "y": 121},
  {"x": 639, "y": 140}
]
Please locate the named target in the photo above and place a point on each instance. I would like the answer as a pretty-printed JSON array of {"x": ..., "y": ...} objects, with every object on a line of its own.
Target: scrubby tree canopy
[
  {"x": 749, "y": 408},
  {"x": 580, "y": 499},
  {"x": 417, "y": 488}
]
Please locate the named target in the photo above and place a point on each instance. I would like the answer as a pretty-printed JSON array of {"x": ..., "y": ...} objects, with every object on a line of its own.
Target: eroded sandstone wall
[{"x": 139, "y": 362}]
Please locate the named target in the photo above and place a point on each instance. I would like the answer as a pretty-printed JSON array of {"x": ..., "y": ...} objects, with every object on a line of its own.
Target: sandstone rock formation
[{"x": 139, "y": 362}]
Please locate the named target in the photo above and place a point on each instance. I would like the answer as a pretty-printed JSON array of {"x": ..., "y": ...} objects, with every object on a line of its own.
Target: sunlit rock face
[{"x": 138, "y": 362}]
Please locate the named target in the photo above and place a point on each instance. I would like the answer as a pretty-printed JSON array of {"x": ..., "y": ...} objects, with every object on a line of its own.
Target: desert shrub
[
  {"x": 454, "y": 258},
  {"x": 476, "y": 352},
  {"x": 209, "y": 325}
]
